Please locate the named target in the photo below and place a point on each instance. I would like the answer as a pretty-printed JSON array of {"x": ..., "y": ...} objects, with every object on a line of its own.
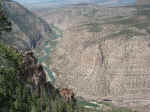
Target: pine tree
[{"x": 5, "y": 25}]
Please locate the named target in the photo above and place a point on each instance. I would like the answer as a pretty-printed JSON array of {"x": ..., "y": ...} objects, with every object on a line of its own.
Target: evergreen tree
[
  {"x": 5, "y": 25},
  {"x": 18, "y": 94}
]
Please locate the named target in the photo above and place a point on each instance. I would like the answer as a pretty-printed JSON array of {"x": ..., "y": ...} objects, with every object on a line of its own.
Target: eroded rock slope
[{"x": 104, "y": 52}]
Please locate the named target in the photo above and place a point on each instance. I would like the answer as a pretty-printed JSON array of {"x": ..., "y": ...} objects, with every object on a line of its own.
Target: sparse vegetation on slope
[
  {"x": 28, "y": 30},
  {"x": 18, "y": 93}
]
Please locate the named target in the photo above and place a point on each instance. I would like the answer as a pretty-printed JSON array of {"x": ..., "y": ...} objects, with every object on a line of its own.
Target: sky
[
  {"x": 76, "y": 1},
  {"x": 37, "y": 1}
]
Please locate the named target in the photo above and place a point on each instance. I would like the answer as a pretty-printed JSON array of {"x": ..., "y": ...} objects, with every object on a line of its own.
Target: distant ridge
[
  {"x": 61, "y": 3},
  {"x": 142, "y": 2}
]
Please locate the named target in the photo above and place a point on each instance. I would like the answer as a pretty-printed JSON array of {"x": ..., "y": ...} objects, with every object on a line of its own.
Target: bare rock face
[
  {"x": 108, "y": 56},
  {"x": 104, "y": 52},
  {"x": 116, "y": 67},
  {"x": 33, "y": 71}
]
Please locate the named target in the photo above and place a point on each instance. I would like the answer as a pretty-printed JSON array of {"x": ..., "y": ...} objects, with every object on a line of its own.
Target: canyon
[
  {"x": 98, "y": 52},
  {"x": 104, "y": 52}
]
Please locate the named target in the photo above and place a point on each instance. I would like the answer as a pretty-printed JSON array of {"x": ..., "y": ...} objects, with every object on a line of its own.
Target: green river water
[{"x": 47, "y": 50}]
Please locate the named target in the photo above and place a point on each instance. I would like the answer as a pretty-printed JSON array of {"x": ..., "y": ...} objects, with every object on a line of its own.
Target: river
[{"x": 47, "y": 50}]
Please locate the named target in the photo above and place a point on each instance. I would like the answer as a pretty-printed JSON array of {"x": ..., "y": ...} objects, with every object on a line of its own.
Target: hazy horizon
[
  {"x": 77, "y": 1},
  {"x": 38, "y": 4}
]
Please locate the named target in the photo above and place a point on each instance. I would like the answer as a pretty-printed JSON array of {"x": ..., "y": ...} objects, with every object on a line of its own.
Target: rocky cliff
[
  {"x": 28, "y": 30},
  {"x": 23, "y": 84},
  {"x": 104, "y": 52}
]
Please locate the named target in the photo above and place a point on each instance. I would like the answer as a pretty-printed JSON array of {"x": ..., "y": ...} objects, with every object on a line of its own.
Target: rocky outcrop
[
  {"x": 32, "y": 70},
  {"x": 34, "y": 73},
  {"x": 28, "y": 30},
  {"x": 67, "y": 94},
  {"x": 23, "y": 82}
]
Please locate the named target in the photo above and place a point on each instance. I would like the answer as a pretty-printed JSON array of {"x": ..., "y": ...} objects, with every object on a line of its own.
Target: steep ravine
[{"x": 104, "y": 54}]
